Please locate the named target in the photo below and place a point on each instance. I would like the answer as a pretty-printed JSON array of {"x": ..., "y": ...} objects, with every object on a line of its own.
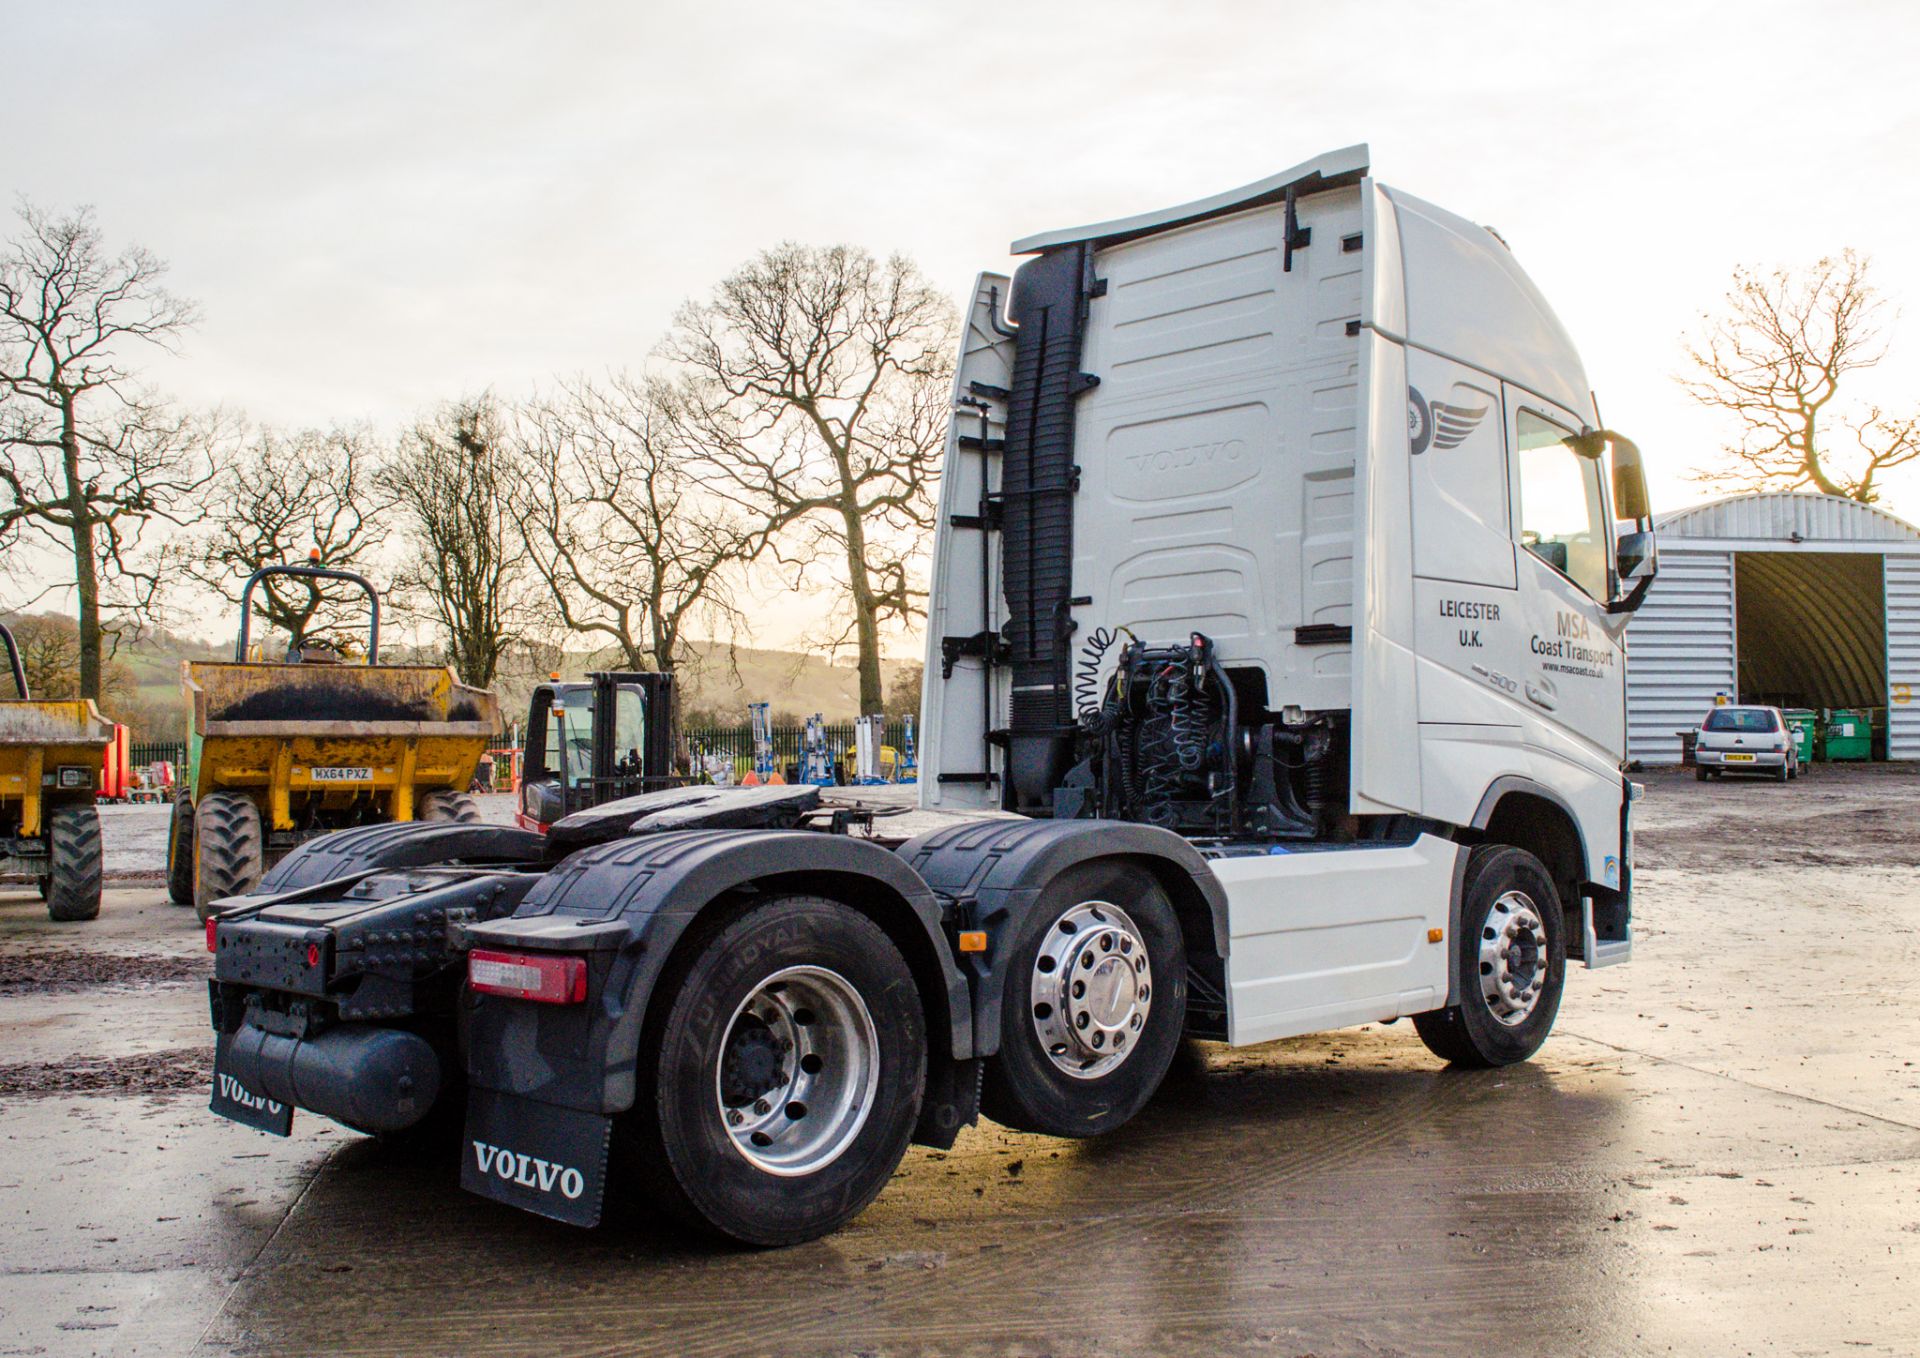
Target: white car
[{"x": 1745, "y": 740}]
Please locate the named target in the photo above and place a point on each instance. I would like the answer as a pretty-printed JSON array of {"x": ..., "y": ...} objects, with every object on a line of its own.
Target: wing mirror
[{"x": 1636, "y": 554}]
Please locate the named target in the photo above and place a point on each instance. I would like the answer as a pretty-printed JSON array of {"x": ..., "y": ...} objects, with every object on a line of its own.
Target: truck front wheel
[
  {"x": 1512, "y": 957},
  {"x": 778, "y": 1092},
  {"x": 1094, "y": 1004}
]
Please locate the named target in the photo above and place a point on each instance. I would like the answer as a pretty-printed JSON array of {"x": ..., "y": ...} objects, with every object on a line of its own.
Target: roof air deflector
[{"x": 1335, "y": 169}]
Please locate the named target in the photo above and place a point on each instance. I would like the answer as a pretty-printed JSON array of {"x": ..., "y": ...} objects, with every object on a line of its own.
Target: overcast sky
[{"x": 382, "y": 206}]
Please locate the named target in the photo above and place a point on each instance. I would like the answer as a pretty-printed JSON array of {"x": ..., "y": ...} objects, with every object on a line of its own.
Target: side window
[
  {"x": 1562, "y": 516},
  {"x": 570, "y": 739},
  {"x": 629, "y": 724}
]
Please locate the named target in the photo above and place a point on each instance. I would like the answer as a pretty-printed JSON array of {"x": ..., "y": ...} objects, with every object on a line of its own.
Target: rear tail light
[
  {"x": 212, "y": 924},
  {"x": 528, "y": 976}
]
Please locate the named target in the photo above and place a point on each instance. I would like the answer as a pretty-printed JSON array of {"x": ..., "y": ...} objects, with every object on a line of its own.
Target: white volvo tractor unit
[{"x": 1278, "y": 593}]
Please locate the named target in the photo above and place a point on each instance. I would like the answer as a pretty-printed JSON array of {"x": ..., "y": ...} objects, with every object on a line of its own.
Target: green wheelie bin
[
  {"x": 1802, "y": 721},
  {"x": 1847, "y": 735}
]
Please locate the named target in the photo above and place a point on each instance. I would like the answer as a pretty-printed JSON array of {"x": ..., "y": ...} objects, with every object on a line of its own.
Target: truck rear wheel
[
  {"x": 74, "y": 866},
  {"x": 229, "y": 855},
  {"x": 778, "y": 1089},
  {"x": 1512, "y": 957},
  {"x": 180, "y": 851},
  {"x": 1094, "y": 1005},
  {"x": 455, "y": 806}
]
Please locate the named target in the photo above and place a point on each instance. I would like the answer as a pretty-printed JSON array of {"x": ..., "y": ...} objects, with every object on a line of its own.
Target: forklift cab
[{"x": 595, "y": 742}]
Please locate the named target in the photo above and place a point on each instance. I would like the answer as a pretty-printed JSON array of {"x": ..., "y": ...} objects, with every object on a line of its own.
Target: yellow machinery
[
  {"x": 279, "y": 752},
  {"x": 50, "y": 762}
]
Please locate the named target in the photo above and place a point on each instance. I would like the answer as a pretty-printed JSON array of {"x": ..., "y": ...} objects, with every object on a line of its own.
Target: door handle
[{"x": 1541, "y": 694}]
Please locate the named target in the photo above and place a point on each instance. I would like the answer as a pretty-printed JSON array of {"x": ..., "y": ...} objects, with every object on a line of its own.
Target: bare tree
[
  {"x": 281, "y": 498},
  {"x": 1774, "y": 359},
  {"x": 91, "y": 458},
  {"x": 50, "y": 654},
  {"x": 816, "y": 384},
  {"x": 465, "y": 566},
  {"x": 633, "y": 550}
]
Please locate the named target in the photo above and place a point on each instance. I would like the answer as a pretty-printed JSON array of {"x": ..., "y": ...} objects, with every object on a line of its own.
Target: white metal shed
[{"x": 1786, "y": 598}]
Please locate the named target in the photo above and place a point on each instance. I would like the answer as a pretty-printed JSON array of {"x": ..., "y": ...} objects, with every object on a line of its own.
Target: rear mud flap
[
  {"x": 536, "y": 1156},
  {"x": 232, "y": 1099}
]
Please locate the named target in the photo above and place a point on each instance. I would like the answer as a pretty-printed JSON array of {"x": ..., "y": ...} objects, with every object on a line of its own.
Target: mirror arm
[{"x": 1635, "y": 597}]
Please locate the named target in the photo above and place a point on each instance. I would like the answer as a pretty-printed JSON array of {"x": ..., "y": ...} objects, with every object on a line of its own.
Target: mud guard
[
  {"x": 405, "y": 844},
  {"x": 536, "y": 1156},
  {"x": 992, "y": 871},
  {"x": 626, "y": 904}
]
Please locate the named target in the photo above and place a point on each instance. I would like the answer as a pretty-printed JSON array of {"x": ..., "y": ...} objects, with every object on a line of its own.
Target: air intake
[{"x": 1038, "y": 478}]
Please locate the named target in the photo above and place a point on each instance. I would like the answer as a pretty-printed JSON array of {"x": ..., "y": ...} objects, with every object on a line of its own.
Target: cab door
[{"x": 1571, "y": 672}]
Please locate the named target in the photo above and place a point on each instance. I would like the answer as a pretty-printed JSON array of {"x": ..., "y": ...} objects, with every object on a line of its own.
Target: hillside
[{"x": 721, "y": 681}]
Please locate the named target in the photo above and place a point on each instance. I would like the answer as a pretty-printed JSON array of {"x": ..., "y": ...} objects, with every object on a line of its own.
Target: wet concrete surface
[{"x": 1718, "y": 1152}]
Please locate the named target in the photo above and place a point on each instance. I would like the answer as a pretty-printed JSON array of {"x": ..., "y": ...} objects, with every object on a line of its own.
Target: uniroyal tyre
[
  {"x": 229, "y": 856},
  {"x": 455, "y": 806},
  {"x": 781, "y": 1076},
  {"x": 73, "y": 881},
  {"x": 1512, "y": 956},
  {"x": 1095, "y": 1001},
  {"x": 180, "y": 851}
]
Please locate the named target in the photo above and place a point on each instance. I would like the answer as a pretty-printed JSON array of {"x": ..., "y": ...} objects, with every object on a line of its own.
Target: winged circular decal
[{"x": 1444, "y": 424}]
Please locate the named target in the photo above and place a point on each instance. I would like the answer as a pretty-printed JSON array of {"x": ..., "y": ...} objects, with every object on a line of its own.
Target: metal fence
[
  {"x": 142, "y": 753},
  {"x": 737, "y": 741}
]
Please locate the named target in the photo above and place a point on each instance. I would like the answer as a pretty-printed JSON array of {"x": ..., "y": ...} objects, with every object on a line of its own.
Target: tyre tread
[
  {"x": 75, "y": 863},
  {"x": 231, "y": 852}
]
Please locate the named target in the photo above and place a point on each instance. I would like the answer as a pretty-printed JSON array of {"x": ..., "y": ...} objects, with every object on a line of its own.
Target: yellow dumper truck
[
  {"x": 50, "y": 760},
  {"x": 281, "y": 751}
]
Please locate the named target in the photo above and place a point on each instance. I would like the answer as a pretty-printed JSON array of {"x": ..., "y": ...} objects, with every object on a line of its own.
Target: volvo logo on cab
[{"x": 1190, "y": 455}]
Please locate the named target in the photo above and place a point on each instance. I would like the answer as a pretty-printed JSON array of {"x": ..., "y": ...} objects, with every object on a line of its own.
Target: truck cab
[{"x": 1321, "y": 452}]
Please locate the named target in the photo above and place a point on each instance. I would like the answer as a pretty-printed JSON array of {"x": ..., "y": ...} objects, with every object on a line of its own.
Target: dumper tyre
[
  {"x": 229, "y": 852},
  {"x": 74, "y": 863},
  {"x": 450, "y": 806},
  {"x": 1512, "y": 957},
  {"x": 731, "y": 1133},
  {"x": 180, "y": 851},
  {"x": 1094, "y": 1005}
]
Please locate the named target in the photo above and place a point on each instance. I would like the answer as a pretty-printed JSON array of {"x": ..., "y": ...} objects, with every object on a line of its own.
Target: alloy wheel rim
[
  {"x": 1091, "y": 990},
  {"x": 1513, "y": 958},
  {"x": 799, "y": 1070}
]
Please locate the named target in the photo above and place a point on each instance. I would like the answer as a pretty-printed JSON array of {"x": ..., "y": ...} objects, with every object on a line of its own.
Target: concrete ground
[{"x": 1718, "y": 1152}]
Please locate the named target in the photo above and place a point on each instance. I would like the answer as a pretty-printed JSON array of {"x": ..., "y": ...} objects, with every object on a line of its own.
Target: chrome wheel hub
[
  {"x": 1092, "y": 989},
  {"x": 1513, "y": 958},
  {"x": 799, "y": 1067}
]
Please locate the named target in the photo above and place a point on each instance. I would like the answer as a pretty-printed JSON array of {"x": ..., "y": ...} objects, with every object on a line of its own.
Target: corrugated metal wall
[
  {"x": 1680, "y": 650},
  {"x": 1903, "y": 656}
]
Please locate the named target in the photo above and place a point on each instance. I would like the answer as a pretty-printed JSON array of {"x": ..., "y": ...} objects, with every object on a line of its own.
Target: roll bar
[
  {"x": 309, "y": 572},
  {"x": 13, "y": 663}
]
